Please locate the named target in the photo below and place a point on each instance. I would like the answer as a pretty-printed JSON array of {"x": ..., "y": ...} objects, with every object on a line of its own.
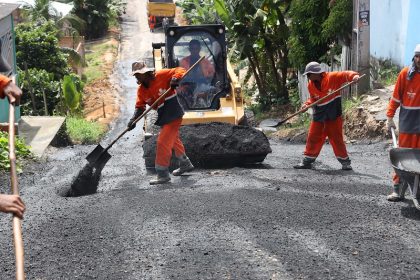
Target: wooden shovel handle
[
  {"x": 320, "y": 100},
  {"x": 17, "y": 225}
]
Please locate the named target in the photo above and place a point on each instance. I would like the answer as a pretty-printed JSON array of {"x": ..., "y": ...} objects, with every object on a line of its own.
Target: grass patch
[
  {"x": 95, "y": 59},
  {"x": 384, "y": 72},
  {"x": 304, "y": 120},
  {"x": 351, "y": 103},
  {"x": 81, "y": 131},
  {"x": 22, "y": 152}
]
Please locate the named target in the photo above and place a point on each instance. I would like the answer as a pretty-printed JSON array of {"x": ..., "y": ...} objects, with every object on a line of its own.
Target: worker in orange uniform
[
  {"x": 406, "y": 96},
  {"x": 10, "y": 203},
  {"x": 198, "y": 81},
  {"x": 202, "y": 74},
  {"x": 152, "y": 23},
  {"x": 151, "y": 85},
  {"x": 327, "y": 120}
]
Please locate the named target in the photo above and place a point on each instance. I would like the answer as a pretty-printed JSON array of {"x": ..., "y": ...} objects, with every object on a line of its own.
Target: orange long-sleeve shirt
[
  {"x": 407, "y": 95},
  {"x": 3, "y": 83},
  {"x": 206, "y": 68},
  {"x": 330, "y": 108},
  {"x": 168, "y": 108}
]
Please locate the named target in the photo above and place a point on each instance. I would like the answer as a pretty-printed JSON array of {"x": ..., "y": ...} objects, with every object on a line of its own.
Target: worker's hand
[
  {"x": 13, "y": 93},
  {"x": 174, "y": 83},
  {"x": 356, "y": 78},
  {"x": 131, "y": 125},
  {"x": 12, "y": 204},
  {"x": 304, "y": 107},
  {"x": 390, "y": 124},
  {"x": 137, "y": 113}
]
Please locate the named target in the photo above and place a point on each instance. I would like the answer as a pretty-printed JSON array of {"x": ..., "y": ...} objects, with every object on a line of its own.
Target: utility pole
[{"x": 361, "y": 43}]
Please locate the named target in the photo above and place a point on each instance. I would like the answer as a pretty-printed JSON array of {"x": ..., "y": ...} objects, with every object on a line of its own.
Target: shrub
[
  {"x": 22, "y": 151},
  {"x": 82, "y": 131}
]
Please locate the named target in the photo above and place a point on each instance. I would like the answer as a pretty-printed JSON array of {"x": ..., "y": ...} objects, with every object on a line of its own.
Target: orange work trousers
[
  {"x": 318, "y": 132},
  {"x": 406, "y": 141},
  {"x": 167, "y": 141}
]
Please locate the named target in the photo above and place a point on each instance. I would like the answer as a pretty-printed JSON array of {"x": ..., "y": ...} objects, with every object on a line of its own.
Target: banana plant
[{"x": 72, "y": 97}]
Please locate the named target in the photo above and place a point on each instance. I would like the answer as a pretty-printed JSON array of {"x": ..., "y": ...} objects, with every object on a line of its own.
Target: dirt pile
[
  {"x": 367, "y": 120},
  {"x": 360, "y": 124},
  {"x": 217, "y": 145}
]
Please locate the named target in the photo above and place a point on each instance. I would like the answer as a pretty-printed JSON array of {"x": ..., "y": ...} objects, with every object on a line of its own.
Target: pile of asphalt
[
  {"x": 210, "y": 145},
  {"x": 86, "y": 182}
]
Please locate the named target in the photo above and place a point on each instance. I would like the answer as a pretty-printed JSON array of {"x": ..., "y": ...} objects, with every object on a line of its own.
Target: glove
[
  {"x": 356, "y": 78},
  {"x": 390, "y": 123},
  {"x": 137, "y": 113},
  {"x": 304, "y": 107},
  {"x": 174, "y": 83}
]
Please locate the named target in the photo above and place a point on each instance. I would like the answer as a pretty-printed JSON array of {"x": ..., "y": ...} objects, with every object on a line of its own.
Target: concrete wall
[{"x": 394, "y": 29}]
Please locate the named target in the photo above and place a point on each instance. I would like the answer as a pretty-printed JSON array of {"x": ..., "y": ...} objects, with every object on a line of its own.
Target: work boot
[
  {"x": 346, "y": 166},
  {"x": 185, "y": 165},
  {"x": 304, "y": 164},
  {"x": 395, "y": 195},
  {"x": 162, "y": 176}
]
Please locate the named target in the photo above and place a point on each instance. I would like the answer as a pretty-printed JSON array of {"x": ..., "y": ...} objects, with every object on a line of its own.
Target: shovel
[
  {"x": 17, "y": 223},
  {"x": 100, "y": 156},
  {"x": 276, "y": 123}
]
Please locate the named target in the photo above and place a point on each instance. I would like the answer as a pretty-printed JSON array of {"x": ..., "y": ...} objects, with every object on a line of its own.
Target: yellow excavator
[{"x": 215, "y": 128}]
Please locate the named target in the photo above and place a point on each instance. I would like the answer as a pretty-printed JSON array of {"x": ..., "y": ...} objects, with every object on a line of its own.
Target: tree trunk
[{"x": 257, "y": 77}]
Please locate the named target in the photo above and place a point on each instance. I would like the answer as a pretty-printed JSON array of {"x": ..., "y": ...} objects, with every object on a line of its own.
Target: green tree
[
  {"x": 96, "y": 13},
  {"x": 260, "y": 34},
  {"x": 37, "y": 45},
  {"x": 317, "y": 27},
  {"x": 38, "y": 82}
]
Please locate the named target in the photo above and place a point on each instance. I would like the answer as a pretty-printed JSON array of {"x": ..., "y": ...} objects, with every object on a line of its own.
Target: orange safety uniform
[
  {"x": 206, "y": 68},
  {"x": 169, "y": 111},
  {"x": 152, "y": 22},
  {"x": 406, "y": 95},
  {"x": 4, "y": 81},
  {"x": 327, "y": 120}
]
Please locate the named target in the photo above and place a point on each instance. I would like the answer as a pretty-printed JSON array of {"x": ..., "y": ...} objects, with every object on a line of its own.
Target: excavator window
[{"x": 199, "y": 89}]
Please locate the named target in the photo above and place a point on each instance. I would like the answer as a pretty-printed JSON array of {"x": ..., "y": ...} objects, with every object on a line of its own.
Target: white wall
[{"x": 395, "y": 29}]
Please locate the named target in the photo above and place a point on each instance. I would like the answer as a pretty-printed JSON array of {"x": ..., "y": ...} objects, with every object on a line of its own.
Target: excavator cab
[
  {"x": 202, "y": 88},
  {"x": 211, "y": 91}
]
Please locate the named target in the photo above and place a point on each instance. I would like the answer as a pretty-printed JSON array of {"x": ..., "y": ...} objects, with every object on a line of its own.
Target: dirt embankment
[{"x": 100, "y": 100}]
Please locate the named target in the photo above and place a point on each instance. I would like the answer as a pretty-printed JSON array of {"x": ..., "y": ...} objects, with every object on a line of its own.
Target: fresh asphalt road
[{"x": 266, "y": 221}]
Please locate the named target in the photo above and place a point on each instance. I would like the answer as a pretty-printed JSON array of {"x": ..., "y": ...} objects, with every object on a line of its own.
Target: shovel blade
[
  {"x": 270, "y": 123},
  {"x": 98, "y": 156}
]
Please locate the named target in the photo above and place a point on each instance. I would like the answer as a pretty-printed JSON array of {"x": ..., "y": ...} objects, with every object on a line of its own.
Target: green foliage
[
  {"x": 351, "y": 103},
  {"x": 98, "y": 14},
  {"x": 40, "y": 81},
  {"x": 94, "y": 60},
  {"x": 317, "y": 27},
  {"x": 306, "y": 42},
  {"x": 384, "y": 72},
  {"x": 294, "y": 94},
  {"x": 37, "y": 45},
  {"x": 72, "y": 97},
  {"x": 22, "y": 151},
  {"x": 259, "y": 34},
  {"x": 338, "y": 25},
  {"x": 82, "y": 131},
  {"x": 198, "y": 11}
]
